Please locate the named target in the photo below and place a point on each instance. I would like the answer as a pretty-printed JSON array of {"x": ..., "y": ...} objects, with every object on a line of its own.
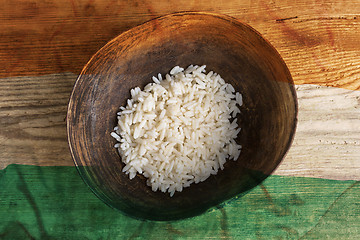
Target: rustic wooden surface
[{"x": 44, "y": 45}]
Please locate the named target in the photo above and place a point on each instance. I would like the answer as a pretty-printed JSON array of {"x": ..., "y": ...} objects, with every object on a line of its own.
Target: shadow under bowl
[{"x": 234, "y": 50}]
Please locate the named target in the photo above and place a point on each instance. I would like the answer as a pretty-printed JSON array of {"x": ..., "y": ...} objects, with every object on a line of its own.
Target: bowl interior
[{"x": 232, "y": 49}]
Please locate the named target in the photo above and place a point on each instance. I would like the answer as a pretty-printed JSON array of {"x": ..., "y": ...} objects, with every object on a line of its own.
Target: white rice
[{"x": 177, "y": 131}]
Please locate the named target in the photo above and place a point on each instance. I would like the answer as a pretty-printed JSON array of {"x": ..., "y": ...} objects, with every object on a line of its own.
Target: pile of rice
[{"x": 179, "y": 130}]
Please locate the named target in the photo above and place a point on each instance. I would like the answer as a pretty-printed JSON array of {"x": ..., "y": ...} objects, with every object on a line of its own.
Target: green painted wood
[{"x": 53, "y": 203}]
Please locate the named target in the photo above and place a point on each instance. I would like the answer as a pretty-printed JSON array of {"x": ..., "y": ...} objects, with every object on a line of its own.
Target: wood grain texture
[
  {"x": 327, "y": 141},
  {"x": 280, "y": 208},
  {"x": 32, "y": 119},
  {"x": 319, "y": 40}
]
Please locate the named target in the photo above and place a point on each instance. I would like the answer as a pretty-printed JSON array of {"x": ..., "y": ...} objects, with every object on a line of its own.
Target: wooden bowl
[{"x": 231, "y": 48}]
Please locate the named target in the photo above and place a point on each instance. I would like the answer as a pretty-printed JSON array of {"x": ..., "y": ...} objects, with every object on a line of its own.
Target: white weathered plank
[
  {"x": 327, "y": 140},
  {"x": 326, "y": 144}
]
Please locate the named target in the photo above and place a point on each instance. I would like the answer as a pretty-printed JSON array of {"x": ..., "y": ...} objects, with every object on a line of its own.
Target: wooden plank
[
  {"x": 319, "y": 40},
  {"x": 326, "y": 144},
  {"x": 32, "y": 119},
  {"x": 327, "y": 139},
  {"x": 53, "y": 203}
]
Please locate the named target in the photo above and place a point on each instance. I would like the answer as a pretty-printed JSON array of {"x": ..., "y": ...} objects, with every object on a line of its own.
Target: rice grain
[{"x": 180, "y": 129}]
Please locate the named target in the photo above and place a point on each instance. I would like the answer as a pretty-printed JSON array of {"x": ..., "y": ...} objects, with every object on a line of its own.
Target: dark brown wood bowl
[{"x": 234, "y": 50}]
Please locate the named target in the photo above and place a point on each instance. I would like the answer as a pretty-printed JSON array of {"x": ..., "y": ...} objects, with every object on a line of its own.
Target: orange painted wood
[{"x": 319, "y": 40}]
